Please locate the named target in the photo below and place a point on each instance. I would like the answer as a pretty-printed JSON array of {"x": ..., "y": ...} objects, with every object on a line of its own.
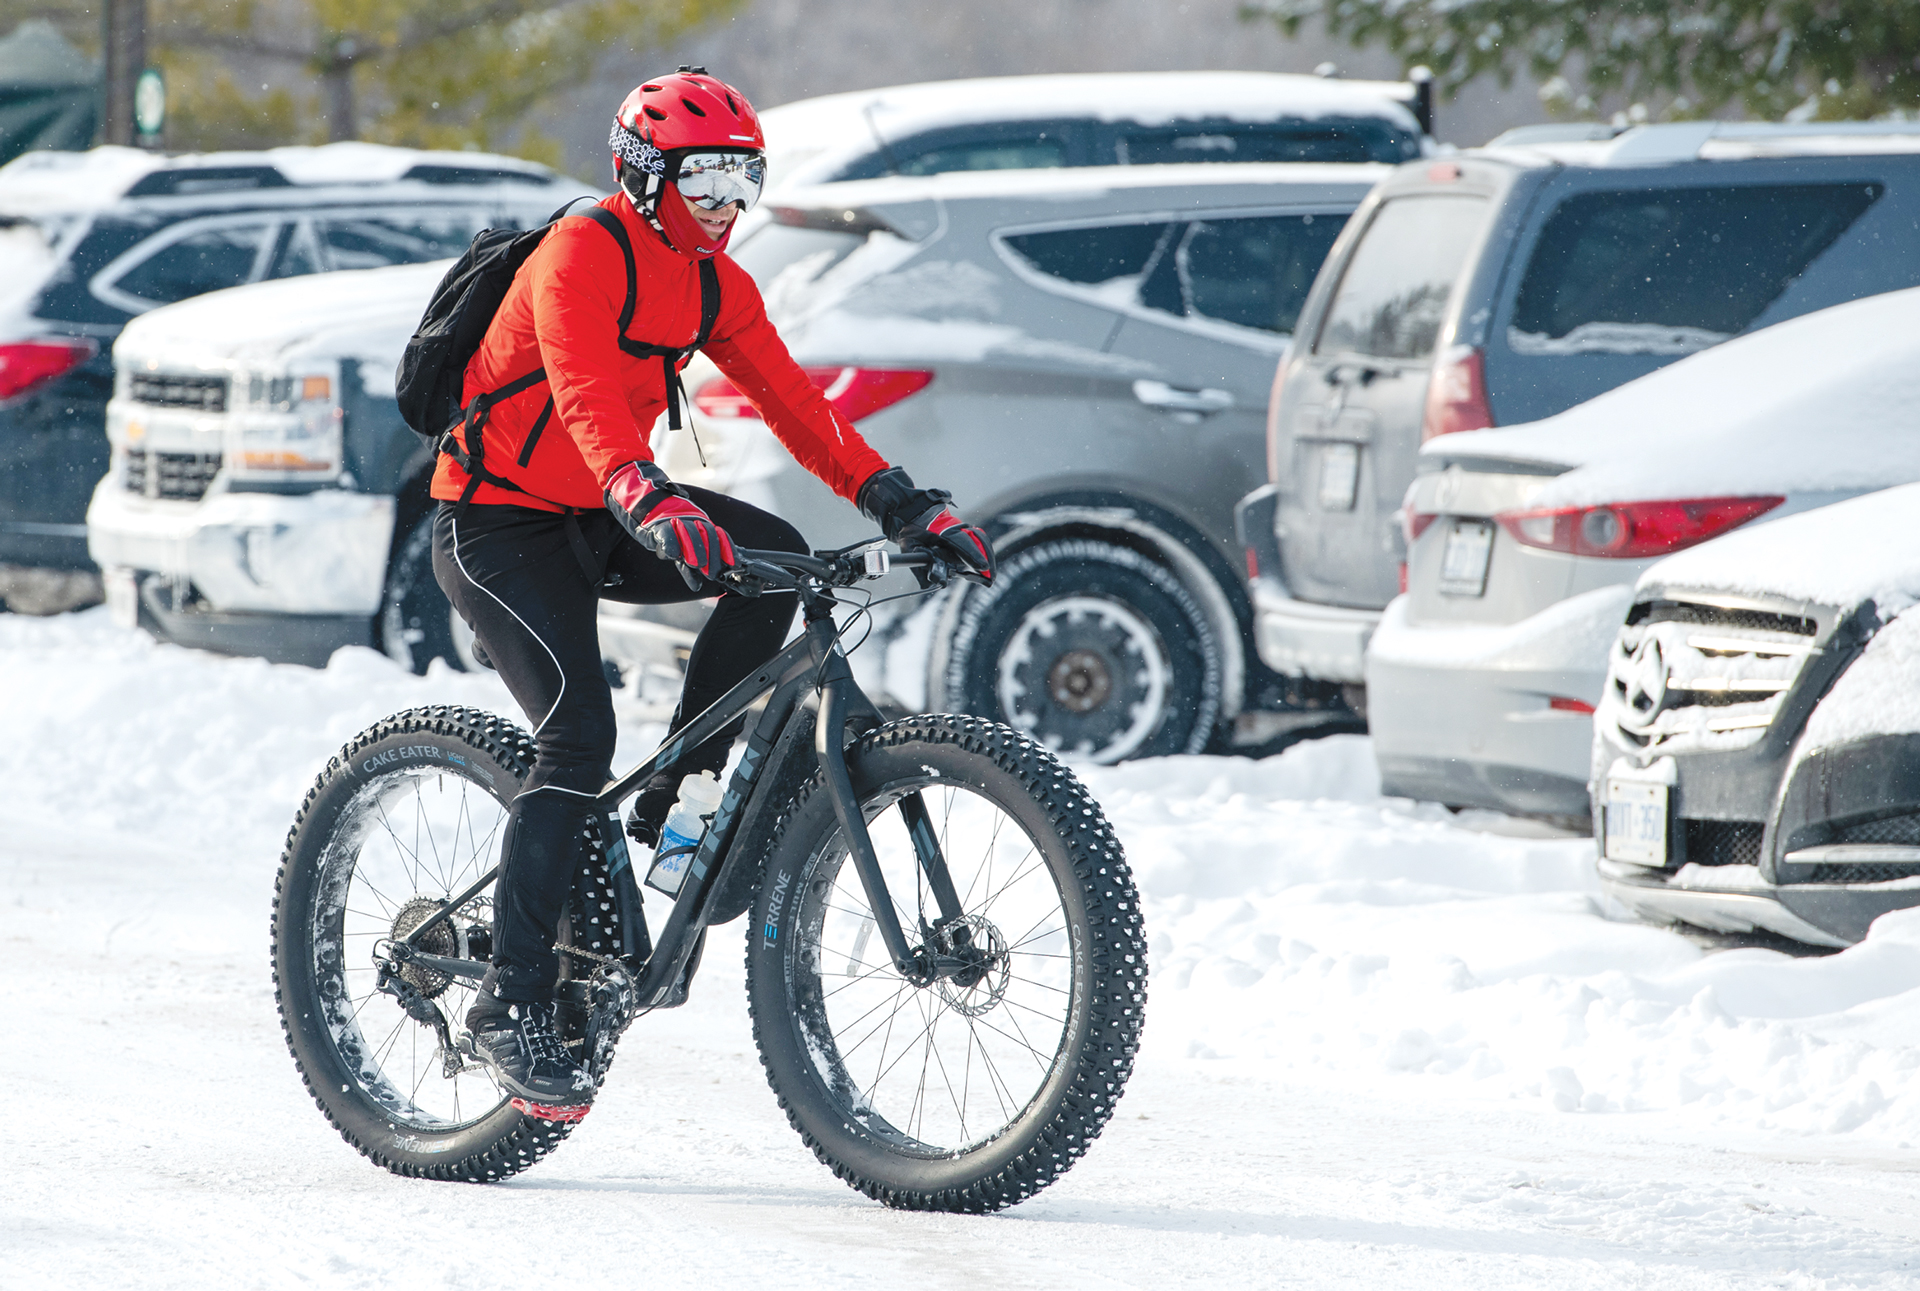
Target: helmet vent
[
  {"x": 656, "y": 113},
  {"x": 731, "y": 105},
  {"x": 692, "y": 106},
  {"x": 651, "y": 89}
]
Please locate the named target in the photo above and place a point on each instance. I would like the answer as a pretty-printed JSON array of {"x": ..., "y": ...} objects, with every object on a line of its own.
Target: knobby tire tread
[
  {"x": 1117, "y": 945},
  {"x": 528, "y": 1139}
]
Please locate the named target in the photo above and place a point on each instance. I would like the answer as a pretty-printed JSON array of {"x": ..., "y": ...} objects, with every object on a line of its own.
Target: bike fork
[{"x": 915, "y": 965}]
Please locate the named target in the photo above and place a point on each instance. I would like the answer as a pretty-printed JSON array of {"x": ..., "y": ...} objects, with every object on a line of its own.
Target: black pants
[{"x": 520, "y": 580}]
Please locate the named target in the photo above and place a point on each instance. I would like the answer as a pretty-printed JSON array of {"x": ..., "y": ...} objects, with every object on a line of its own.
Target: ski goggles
[{"x": 713, "y": 180}]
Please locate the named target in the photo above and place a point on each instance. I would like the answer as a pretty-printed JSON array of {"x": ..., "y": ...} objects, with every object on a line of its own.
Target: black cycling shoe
[{"x": 519, "y": 1045}]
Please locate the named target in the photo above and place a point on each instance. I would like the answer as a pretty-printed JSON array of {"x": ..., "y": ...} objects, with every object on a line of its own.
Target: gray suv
[
  {"x": 1083, "y": 357},
  {"x": 1503, "y": 285}
]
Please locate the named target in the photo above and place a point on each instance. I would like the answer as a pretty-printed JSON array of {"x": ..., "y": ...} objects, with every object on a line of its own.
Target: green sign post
[{"x": 149, "y": 105}]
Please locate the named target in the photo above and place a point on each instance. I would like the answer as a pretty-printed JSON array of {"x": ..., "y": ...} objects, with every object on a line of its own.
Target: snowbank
[
  {"x": 1298, "y": 920},
  {"x": 1822, "y": 403}
]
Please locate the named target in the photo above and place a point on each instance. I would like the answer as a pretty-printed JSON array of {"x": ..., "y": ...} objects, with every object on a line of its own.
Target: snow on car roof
[
  {"x": 45, "y": 181},
  {"x": 1151, "y": 98},
  {"x": 1077, "y": 182},
  {"x": 1829, "y": 401},
  {"x": 1845, "y": 554},
  {"x": 804, "y": 132},
  {"x": 362, "y": 313}
]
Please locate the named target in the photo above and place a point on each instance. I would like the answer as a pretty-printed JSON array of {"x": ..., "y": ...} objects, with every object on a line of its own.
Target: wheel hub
[
  {"x": 978, "y": 987},
  {"x": 1079, "y": 681},
  {"x": 1087, "y": 675},
  {"x": 438, "y": 940}
]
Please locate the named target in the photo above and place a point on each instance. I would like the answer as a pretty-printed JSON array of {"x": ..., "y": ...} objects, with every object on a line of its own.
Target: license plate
[
  {"x": 1636, "y": 822},
  {"x": 1339, "y": 476},
  {"x": 123, "y": 597},
  {"x": 1463, "y": 561}
]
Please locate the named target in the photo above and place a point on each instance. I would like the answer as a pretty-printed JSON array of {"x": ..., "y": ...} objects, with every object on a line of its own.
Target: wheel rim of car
[{"x": 1085, "y": 675}]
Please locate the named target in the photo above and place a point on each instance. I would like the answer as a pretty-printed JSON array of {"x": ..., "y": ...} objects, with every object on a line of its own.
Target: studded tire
[
  {"x": 1063, "y": 1006},
  {"x": 334, "y": 1027}
]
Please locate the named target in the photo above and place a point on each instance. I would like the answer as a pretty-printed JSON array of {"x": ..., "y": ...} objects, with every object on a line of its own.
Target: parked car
[
  {"x": 1097, "y": 119},
  {"x": 91, "y": 240},
  {"x": 1525, "y": 542},
  {"x": 1499, "y": 286},
  {"x": 1082, "y": 356},
  {"x": 1756, "y": 754}
]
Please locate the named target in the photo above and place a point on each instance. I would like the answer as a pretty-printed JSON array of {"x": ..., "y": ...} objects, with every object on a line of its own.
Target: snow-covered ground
[{"x": 1386, "y": 1047}]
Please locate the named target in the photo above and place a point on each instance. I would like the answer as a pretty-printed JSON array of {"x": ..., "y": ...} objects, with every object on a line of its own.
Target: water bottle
[{"x": 680, "y": 836}]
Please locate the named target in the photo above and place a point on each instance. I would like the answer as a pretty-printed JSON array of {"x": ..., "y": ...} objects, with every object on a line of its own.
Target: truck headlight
[{"x": 286, "y": 426}]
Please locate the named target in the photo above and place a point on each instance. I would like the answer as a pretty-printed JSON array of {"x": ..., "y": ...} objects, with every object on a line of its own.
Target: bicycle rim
[
  {"x": 405, "y": 845},
  {"x": 941, "y": 1069}
]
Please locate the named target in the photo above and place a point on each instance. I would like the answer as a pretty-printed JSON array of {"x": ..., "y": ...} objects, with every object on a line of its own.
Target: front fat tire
[
  {"x": 490, "y": 757},
  {"x": 846, "y": 1126}
]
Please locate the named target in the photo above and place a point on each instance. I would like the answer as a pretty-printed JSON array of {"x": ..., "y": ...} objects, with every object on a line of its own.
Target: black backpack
[{"x": 433, "y": 366}]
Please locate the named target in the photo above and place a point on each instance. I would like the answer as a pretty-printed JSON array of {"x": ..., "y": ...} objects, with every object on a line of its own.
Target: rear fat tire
[
  {"x": 848, "y": 1129},
  {"x": 417, "y": 623},
  {"x": 490, "y": 757},
  {"x": 1150, "y": 669}
]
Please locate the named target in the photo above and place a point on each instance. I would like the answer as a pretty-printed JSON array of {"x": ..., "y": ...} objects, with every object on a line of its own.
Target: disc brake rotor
[{"x": 979, "y": 989}]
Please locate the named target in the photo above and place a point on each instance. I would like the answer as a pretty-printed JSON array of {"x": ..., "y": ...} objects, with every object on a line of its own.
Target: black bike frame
[{"x": 813, "y": 673}]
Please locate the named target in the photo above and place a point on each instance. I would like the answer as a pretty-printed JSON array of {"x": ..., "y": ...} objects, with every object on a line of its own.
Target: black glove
[
  {"x": 920, "y": 518},
  {"x": 664, "y": 520}
]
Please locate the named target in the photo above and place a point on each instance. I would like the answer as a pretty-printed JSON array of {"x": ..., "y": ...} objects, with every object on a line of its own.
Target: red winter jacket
[{"x": 561, "y": 314}]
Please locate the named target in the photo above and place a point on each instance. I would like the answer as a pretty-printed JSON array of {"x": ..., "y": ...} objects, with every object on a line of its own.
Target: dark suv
[
  {"x": 1502, "y": 285},
  {"x": 90, "y": 240}
]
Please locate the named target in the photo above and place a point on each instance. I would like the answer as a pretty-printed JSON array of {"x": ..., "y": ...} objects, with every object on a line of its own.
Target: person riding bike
[{"x": 565, "y": 505}]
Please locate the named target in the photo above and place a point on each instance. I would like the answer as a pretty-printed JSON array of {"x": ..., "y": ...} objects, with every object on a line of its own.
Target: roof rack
[
  {"x": 1735, "y": 140},
  {"x": 206, "y": 179},
  {"x": 432, "y": 173}
]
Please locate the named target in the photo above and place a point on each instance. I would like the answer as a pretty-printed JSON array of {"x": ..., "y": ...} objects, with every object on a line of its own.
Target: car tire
[
  {"x": 417, "y": 622},
  {"x": 1092, "y": 648}
]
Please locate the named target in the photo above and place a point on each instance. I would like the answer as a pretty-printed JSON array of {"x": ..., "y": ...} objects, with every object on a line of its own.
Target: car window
[
  {"x": 397, "y": 237},
  {"x": 775, "y": 246},
  {"x": 1254, "y": 272},
  {"x": 193, "y": 265},
  {"x": 1245, "y": 141},
  {"x": 293, "y": 254},
  {"x": 1393, "y": 292},
  {"x": 1672, "y": 270},
  {"x": 1091, "y": 256},
  {"x": 987, "y": 154}
]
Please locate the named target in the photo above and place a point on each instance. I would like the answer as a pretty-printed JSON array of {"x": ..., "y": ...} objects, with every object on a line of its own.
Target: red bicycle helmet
[{"x": 665, "y": 118}]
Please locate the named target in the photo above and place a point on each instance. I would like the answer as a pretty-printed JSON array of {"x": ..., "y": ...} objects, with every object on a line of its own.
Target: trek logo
[
  {"x": 771, "y": 933},
  {"x": 390, "y": 756}
]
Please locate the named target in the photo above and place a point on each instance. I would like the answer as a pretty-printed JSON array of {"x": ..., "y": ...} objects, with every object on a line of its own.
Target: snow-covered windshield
[
  {"x": 773, "y": 247},
  {"x": 1671, "y": 271}
]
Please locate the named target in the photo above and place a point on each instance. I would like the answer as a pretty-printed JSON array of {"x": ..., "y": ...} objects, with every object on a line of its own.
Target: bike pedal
[{"x": 565, "y": 1114}]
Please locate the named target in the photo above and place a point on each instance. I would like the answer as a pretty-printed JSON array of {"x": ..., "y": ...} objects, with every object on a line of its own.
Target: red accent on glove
[{"x": 670, "y": 525}]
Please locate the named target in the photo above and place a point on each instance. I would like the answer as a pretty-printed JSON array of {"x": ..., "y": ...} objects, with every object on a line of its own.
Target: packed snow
[
  {"x": 1824, "y": 403},
  {"x": 1386, "y": 1047},
  {"x": 1842, "y": 555},
  {"x": 1875, "y": 695}
]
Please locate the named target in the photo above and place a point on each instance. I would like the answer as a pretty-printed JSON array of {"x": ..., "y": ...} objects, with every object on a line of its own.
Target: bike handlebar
[{"x": 789, "y": 569}]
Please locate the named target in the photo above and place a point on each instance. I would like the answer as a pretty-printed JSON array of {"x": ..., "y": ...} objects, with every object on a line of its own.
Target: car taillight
[
  {"x": 26, "y": 364},
  {"x": 1568, "y": 704},
  {"x": 1632, "y": 530},
  {"x": 854, "y": 392},
  {"x": 1457, "y": 395},
  {"x": 1415, "y": 523}
]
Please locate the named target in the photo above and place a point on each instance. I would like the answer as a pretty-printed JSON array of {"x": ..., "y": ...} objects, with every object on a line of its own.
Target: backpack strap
[{"x": 468, "y": 454}]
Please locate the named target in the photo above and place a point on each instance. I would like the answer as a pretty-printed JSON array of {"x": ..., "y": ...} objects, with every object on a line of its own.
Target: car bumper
[
  {"x": 322, "y": 553},
  {"x": 1302, "y": 639},
  {"x": 1818, "y": 914},
  {"x": 1462, "y": 714}
]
